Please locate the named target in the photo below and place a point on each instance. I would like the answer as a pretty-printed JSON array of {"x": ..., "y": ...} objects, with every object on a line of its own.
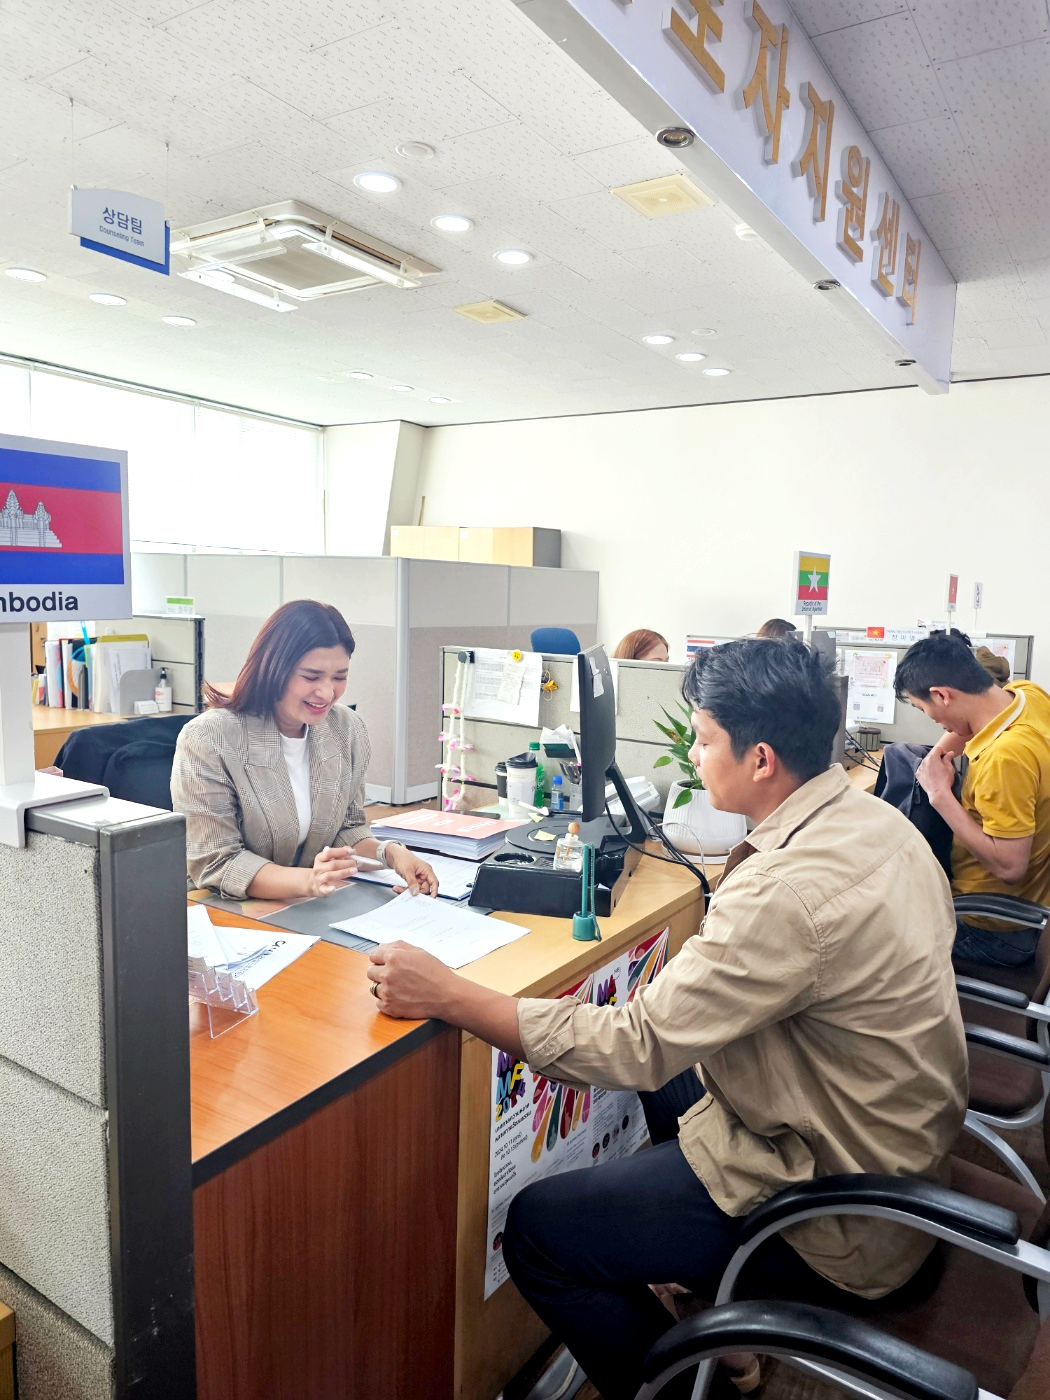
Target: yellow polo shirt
[{"x": 1007, "y": 790}]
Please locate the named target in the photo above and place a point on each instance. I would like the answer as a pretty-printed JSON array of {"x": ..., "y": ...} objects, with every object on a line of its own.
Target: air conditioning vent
[
  {"x": 487, "y": 313},
  {"x": 668, "y": 194},
  {"x": 290, "y": 250}
]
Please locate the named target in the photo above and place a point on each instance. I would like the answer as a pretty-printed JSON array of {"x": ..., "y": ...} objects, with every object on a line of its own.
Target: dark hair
[
  {"x": 776, "y": 693},
  {"x": 777, "y": 629},
  {"x": 283, "y": 641},
  {"x": 637, "y": 643},
  {"x": 940, "y": 659},
  {"x": 955, "y": 633}
]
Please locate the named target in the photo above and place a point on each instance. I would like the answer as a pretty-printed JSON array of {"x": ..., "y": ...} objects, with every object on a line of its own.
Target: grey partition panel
[
  {"x": 227, "y": 641},
  {"x": 370, "y": 688},
  {"x": 54, "y": 1226},
  {"x": 239, "y": 585},
  {"x": 50, "y": 964},
  {"x": 57, "y": 1358},
  {"x": 554, "y": 598},
  {"x": 155, "y": 578},
  {"x": 362, "y": 589},
  {"x": 96, "y": 1232},
  {"x": 177, "y": 644},
  {"x": 457, "y": 596}
]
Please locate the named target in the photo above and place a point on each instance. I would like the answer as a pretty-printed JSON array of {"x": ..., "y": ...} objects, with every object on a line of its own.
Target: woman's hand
[
  {"x": 418, "y": 876},
  {"x": 332, "y": 868},
  {"x": 409, "y": 984}
]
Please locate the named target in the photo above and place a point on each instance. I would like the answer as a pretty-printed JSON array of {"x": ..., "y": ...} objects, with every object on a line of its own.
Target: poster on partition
[
  {"x": 871, "y": 695},
  {"x": 539, "y": 1128}
]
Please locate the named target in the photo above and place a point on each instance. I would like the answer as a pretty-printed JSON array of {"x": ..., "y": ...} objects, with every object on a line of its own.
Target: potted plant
[{"x": 690, "y": 822}]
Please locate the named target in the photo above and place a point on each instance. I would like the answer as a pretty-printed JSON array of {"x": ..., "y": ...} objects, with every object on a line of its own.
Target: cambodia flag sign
[{"x": 63, "y": 531}]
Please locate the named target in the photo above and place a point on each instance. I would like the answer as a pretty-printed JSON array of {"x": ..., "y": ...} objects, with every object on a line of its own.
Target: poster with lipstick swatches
[{"x": 539, "y": 1127}]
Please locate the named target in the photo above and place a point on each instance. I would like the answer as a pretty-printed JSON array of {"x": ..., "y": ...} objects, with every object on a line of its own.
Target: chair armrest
[
  {"x": 990, "y": 992},
  {"x": 1013, "y": 1047},
  {"x": 924, "y": 1201},
  {"x": 1008, "y": 907},
  {"x": 810, "y": 1333}
]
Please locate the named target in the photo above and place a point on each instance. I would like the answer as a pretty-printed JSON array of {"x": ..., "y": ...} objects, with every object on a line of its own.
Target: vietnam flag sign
[
  {"x": 812, "y": 572},
  {"x": 63, "y": 531}
]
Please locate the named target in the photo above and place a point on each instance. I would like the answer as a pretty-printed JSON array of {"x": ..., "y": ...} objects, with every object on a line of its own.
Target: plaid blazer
[{"x": 230, "y": 781}]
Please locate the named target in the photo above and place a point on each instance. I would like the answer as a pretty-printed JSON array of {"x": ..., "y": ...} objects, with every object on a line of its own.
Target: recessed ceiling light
[
  {"x": 178, "y": 320},
  {"x": 377, "y": 183},
  {"x": 440, "y": 398},
  {"x": 25, "y": 274},
  {"x": 452, "y": 223},
  {"x": 660, "y": 339},
  {"x": 690, "y": 357},
  {"x": 415, "y": 150},
  {"x": 716, "y": 371},
  {"x": 704, "y": 330},
  {"x": 107, "y": 299},
  {"x": 358, "y": 374},
  {"x": 401, "y": 388},
  {"x": 513, "y": 257}
]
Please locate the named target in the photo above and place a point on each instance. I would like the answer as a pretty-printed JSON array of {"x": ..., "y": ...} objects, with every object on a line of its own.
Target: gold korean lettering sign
[
  {"x": 695, "y": 41},
  {"x": 771, "y": 41},
  {"x": 853, "y": 191},
  {"x": 908, "y": 295},
  {"x": 886, "y": 236},
  {"x": 815, "y": 161}
]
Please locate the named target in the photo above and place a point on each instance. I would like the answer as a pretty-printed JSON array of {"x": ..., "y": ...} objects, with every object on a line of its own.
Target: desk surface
[{"x": 319, "y": 1031}]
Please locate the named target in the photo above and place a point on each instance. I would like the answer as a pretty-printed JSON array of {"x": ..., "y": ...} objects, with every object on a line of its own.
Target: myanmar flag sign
[{"x": 812, "y": 572}]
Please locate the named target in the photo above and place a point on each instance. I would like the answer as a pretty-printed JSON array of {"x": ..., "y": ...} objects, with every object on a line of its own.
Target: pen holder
[{"x": 584, "y": 924}]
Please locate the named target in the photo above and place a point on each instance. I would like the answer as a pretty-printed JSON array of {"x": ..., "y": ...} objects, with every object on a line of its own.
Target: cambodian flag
[{"x": 61, "y": 520}]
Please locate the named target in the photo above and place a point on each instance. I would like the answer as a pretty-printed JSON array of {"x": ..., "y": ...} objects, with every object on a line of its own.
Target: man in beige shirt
[{"x": 812, "y": 1027}]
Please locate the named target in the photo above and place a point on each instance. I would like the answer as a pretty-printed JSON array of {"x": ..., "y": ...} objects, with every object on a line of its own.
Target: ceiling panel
[{"x": 258, "y": 101}]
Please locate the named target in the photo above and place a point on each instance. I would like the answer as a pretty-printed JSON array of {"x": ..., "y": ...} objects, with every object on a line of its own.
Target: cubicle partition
[
  {"x": 400, "y": 611},
  {"x": 96, "y": 1242},
  {"x": 177, "y": 644},
  {"x": 644, "y": 690}
]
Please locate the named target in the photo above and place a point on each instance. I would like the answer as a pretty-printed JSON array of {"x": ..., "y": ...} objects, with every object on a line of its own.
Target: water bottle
[
  {"x": 540, "y": 793},
  {"x": 557, "y": 794}
]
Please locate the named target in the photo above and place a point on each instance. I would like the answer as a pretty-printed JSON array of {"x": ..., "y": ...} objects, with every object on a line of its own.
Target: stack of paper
[
  {"x": 455, "y": 877},
  {"x": 249, "y": 954},
  {"x": 448, "y": 833},
  {"x": 454, "y": 935}
]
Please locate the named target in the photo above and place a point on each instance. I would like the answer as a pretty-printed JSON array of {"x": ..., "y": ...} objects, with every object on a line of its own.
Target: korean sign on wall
[{"x": 778, "y": 142}]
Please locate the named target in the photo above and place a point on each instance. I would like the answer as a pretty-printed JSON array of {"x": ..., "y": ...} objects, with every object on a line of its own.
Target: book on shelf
[{"x": 447, "y": 833}]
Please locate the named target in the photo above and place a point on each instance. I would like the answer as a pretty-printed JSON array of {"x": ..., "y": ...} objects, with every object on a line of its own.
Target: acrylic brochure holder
[{"x": 228, "y": 1001}]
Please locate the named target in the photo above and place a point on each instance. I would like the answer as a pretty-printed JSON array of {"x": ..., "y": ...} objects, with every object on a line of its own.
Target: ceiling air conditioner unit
[{"x": 287, "y": 253}]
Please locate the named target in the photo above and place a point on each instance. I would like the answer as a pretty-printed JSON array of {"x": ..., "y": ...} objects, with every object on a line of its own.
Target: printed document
[
  {"x": 501, "y": 688},
  {"x": 249, "y": 954},
  {"x": 454, "y": 935},
  {"x": 455, "y": 877}
]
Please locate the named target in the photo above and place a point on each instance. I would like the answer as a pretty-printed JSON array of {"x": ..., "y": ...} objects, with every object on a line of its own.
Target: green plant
[{"x": 679, "y": 741}]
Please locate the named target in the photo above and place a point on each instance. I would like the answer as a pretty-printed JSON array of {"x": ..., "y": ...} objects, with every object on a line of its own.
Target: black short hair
[
  {"x": 954, "y": 632},
  {"x": 940, "y": 660},
  {"x": 776, "y": 693}
]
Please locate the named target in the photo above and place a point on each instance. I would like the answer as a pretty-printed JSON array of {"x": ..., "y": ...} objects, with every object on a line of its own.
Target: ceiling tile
[
  {"x": 883, "y": 68},
  {"x": 957, "y": 28},
  {"x": 927, "y": 157},
  {"x": 1012, "y": 332},
  {"x": 820, "y": 16},
  {"x": 956, "y": 218},
  {"x": 1036, "y": 278}
]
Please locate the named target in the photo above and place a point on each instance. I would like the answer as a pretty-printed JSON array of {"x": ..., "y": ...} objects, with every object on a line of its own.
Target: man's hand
[
  {"x": 418, "y": 876},
  {"x": 409, "y": 984},
  {"x": 936, "y": 776}
]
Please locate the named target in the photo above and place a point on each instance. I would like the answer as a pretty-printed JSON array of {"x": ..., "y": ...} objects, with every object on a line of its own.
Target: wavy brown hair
[
  {"x": 777, "y": 629},
  {"x": 637, "y": 643},
  {"x": 284, "y": 640}
]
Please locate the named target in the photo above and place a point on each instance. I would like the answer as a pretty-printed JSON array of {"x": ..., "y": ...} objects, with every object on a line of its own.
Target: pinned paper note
[
  {"x": 511, "y": 679},
  {"x": 870, "y": 695},
  {"x": 500, "y": 687}
]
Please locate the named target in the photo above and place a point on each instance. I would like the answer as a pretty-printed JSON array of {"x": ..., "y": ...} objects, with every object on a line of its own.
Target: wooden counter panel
[
  {"x": 325, "y": 1260},
  {"x": 495, "y": 1338}
]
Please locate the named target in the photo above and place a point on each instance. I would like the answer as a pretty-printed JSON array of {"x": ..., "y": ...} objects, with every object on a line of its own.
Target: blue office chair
[{"x": 559, "y": 641}]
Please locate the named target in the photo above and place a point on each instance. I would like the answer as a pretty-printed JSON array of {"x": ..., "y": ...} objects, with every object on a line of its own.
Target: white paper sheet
[
  {"x": 574, "y": 694},
  {"x": 454, "y": 935},
  {"x": 455, "y": 877},
  {"x": 502, "y": 688},
  {"x": 250, "y": 955},
  {"x": 1005, "y": 647},
  {"x": 119, "y": 657},
  {"x": 870, "y": 695}
]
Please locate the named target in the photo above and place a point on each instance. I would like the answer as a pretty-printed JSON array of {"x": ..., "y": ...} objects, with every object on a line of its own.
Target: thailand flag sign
[{"x": 63, "y": 531}]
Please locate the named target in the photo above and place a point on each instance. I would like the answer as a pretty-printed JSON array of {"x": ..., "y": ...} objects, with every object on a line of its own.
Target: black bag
[{"x": 897, "y": 783}]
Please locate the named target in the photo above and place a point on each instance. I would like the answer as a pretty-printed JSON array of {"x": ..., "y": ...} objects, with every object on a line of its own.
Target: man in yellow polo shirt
[{"x": 1001, "y": 826}]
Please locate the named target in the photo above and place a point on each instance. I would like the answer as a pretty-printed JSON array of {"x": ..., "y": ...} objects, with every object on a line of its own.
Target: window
[{"x": 198, "y": 478}]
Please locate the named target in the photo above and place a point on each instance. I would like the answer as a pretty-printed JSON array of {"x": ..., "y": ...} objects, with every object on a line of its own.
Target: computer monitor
[{"x": 598, "y": 745}]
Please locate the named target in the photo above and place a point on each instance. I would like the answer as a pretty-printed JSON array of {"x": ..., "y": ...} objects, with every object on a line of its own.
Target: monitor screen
[{"x": 597, "y": 728}]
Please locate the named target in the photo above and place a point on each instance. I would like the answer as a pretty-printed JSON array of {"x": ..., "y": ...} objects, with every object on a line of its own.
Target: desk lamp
[{"x": 584, "y": 924}]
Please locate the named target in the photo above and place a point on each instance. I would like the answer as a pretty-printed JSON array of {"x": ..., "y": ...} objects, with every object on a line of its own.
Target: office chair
[
  {"x": 961, "y": 1304},
  {"x": 558, "y": 641},
  {"x": 131, "y": 758}
]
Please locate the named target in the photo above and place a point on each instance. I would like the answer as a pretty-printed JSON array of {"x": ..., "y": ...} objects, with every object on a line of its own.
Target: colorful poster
[
  {"x": 539, "y": 1127},
  {"x": 812, "y": 574}
]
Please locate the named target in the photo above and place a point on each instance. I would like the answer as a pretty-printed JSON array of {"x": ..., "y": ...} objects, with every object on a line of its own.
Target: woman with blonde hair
[
  {"x": 642, "y": 645},
  {"x": 271, "y": 778}
]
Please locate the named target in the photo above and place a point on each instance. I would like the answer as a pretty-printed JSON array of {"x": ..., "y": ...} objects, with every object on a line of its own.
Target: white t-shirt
[{"x": 297, "y": 757}]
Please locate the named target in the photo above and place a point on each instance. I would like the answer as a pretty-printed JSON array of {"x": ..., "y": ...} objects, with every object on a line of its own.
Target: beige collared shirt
[{"x": 818, "y": 1006}]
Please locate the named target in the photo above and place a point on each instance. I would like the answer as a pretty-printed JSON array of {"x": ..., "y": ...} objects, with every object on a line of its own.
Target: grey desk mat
[{"x": 313, "y": 916}]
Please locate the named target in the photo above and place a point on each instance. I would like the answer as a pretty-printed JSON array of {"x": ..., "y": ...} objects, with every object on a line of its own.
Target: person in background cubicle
[
  {"x": 642, "y": 645},
  {"x": 1001, "y": 820},
  {"x": 777, "y": 629},
  {"x": 271, "y": 778},
  {"x": 812, "y": 1027}
]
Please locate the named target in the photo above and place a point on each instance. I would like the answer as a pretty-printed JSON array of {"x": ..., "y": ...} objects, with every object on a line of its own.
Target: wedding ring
[{"x": 375, "y": 990}]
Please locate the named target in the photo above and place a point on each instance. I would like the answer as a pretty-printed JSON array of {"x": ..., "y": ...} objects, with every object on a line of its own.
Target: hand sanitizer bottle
[
  {"x": 162, "y": 693},
  {"x": 568, "y": 853}
]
